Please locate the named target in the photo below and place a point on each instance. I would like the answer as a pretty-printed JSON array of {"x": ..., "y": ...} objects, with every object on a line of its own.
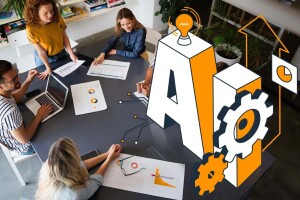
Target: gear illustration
[
  {"x": 229, "y": 117},
  {"x": 210, "y": 172}
]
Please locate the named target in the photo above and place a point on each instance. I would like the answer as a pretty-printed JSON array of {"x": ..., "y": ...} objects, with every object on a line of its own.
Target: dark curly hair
[
  {"x": 5, "y": 66},
  {"x": 31, "y": 11}
]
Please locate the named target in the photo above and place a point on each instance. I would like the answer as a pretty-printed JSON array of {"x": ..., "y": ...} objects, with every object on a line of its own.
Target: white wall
[{"x": 143, "y": 9}]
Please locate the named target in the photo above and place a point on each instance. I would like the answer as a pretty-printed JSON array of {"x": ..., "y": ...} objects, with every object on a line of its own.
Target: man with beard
[{"x": 13, "y": 133}]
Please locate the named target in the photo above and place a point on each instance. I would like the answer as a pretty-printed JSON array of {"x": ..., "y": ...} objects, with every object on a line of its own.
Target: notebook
[{"x": 56, "y": 94}]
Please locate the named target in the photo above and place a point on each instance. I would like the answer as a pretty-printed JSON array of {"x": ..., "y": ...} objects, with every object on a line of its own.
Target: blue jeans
[
  {"x": 29, "y": 151},
  {"x": 51, "y": 59}
]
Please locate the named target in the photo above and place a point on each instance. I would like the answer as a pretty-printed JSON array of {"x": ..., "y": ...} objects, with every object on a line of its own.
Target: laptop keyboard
[{"x": 44, "y": 99}]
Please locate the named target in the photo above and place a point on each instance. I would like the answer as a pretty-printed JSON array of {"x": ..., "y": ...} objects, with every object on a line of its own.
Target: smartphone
[{"x": 33, "y": 93}]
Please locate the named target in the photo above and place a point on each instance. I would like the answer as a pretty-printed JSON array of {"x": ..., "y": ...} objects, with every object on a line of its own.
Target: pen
[{"x": 162, "y": 176}]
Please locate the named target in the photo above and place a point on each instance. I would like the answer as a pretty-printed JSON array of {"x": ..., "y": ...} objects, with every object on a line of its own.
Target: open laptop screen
[{"x": 57, "y": 90}]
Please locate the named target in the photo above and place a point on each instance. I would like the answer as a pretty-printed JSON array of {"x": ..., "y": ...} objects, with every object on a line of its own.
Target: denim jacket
[{"x": 134, "y": 43}]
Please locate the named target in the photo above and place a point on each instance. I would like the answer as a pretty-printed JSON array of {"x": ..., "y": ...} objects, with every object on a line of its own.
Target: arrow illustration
[{"x": 241, "y": 30}]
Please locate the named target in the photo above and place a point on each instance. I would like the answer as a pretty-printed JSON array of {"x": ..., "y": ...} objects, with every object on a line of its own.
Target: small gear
[
  {"x": 210, "y": 172},
  {"x": 229, "y": 116}
]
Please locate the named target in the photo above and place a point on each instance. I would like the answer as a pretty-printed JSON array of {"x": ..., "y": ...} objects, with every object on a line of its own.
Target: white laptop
[{"x": 56, "y": 94}]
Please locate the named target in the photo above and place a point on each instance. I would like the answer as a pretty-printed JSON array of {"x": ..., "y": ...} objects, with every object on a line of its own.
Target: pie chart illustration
[{"x": 284, "y": 73}]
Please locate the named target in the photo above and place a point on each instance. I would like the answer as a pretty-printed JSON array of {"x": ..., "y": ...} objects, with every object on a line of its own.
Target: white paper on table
[
  {"x": 110, "y": 69},
  {"x": 68, "y": 68},
  {"x": 142, "y": 97},
  {"x": 171, "y": 174},
  {"x": 88, "y": 97}
]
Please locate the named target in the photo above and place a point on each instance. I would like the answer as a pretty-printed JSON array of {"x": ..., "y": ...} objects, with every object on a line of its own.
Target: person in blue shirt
[
  {"x": 131, "y": 33},
  {"x": 64, "y": 176}
]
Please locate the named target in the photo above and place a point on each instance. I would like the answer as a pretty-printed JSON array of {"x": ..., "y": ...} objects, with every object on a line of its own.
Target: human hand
[
  {"x": 139, "y": 87},
  {"x": 114, "y": 151},
  {"x": 73, "y": 57},
  {"x": 44, "y": 111},
  {"x": 146, "y": 90},
  {"x": 44, "y": 74},
  {"x": 99, "y": 59},
  {"x": 31, "y": 75},
  {"x": 112, "y": 52}
]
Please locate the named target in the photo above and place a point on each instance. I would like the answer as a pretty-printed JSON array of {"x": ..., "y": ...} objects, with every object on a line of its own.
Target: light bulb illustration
[{"x": 184, "y": 23}]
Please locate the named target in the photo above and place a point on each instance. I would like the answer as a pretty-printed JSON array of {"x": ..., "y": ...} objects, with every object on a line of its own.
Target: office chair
[
  {"x": 25, "y": 51},
  {"x": 152, "y": 37},
  {"x": 13, "y": 158}
]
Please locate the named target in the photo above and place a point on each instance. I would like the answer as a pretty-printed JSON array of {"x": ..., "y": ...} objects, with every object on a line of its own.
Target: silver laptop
[{"x": 56, "y": 94}]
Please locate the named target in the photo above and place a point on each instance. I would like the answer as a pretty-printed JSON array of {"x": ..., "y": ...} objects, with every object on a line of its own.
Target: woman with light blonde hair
[
  {"x": 64, "y": 176},
  {"x": 131, "y": 33}
]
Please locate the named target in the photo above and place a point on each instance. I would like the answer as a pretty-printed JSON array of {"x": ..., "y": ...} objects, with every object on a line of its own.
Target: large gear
[
  {"x": 225, "y": 136},
  {"x": 210, "y": 173}
]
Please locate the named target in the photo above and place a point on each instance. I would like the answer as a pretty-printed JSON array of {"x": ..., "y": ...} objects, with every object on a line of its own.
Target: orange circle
[
  {"x": 248, "y": 118},
  {"x": 284, "y": 73},
  {"x": 94, "y": 100}
]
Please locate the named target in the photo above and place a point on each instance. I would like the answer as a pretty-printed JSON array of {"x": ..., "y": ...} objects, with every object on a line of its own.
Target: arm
[
  {"x": 68, "y": 47},
  {"x": 144, "y": 87},
  {"x": 19, "y": 94},
  {"x": 111, "y": 44},
  {"x": 44, "y": 57},
  {"x": 138, "y": 48},
  {"x": 148, "y": 77},
  {"x": 22, "y": 134},
  {"x": 113, "y": 152},
  {"x": 90, "y": 163},
  {"x": 106, "y": 50}
]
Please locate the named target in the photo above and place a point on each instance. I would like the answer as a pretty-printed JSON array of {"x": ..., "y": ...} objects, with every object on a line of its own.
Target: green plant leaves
[
  {"x": 17, "y": 5},
  {"x": 170, "y": 8}
]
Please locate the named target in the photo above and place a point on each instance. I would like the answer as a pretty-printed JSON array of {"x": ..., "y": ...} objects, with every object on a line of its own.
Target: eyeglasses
[
  {"x": 123, "y": 170},
  {"x": 15, "y": 79}
]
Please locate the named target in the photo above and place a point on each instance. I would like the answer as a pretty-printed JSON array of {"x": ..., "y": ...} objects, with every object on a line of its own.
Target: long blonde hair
[
  {"x": 62, "y": 169},
  {"x": 126, "y": 13}
]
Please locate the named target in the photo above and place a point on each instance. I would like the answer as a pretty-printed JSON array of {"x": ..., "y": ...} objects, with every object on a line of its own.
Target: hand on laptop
[
  {"x": 44, "y": 111},
  {"x": 44, "y": 74}
]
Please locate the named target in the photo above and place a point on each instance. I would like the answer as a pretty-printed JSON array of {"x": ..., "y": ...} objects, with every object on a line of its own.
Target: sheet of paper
[
  {"x": 68, "y": 68},
  {"x": 110, "y": 69},
  {"x": 159, "y": 178},
  {"x": 142, "y": 97},
  {"x": 88, "y": 97}
]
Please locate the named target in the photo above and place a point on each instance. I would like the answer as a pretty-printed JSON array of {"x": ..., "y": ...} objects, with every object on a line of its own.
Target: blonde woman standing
[
  {"x": 64, "y": 176},
  {"x": 46, "y": 31},
  {"x": 131, "y": 33}
]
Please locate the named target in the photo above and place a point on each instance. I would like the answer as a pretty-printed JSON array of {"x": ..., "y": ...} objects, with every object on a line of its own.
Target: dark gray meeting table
[{"x": 99, "y": 130}]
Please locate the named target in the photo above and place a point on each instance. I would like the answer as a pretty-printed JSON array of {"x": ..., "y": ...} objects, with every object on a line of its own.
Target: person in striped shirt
[{"x": 13, "y": 133}]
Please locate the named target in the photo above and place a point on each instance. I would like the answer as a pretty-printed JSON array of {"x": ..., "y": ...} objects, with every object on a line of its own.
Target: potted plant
[
  {"x": 17, "y": 5},
  {"x": 230, "y": 44},
  {"x": 226, "y": 41}
]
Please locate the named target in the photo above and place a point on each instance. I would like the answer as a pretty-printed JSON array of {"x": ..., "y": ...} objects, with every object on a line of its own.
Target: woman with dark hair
[
  {"x": 46, "y": 31},
  {"x": 130, "y": 32}
]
